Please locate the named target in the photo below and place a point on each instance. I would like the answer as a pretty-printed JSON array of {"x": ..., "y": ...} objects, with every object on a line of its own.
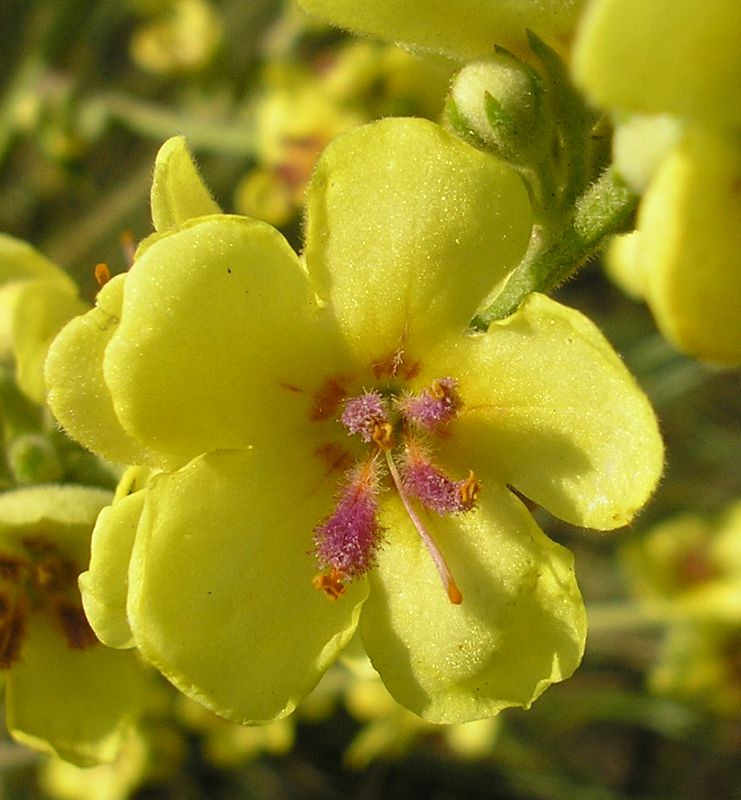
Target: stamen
[
  {"x": 347, "y": 540},
  {"x": 433, "y": 488},
  {"x": 365, "y": 415},
  {"x": 383, "y": 436},
  {"x": 332, "y": 583},
  {"x": 432, "y": 408},
  {"x": 102, "y": 274},
  {"x": 454, "y": 593},
  {"x": 128, "y": 245}
]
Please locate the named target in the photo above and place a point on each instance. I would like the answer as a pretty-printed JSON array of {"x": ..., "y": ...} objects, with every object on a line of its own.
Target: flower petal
[
  {"x": 520, "y": 627},
  {"x": 19, "y": 261},
  {"x": 464, "y": 29},
  {"x": 41, "y": 309},
  {"x": 550, "y": 409},
  {"x": 690, "y": 239},
  {"x": 178, "y": 191},
  {"x": 77, "y": 392},
  {"x": 105, "y": 585},
  {"x": 64, "y": 515},
  {"x": 76, "y": 703},
  {"x": 667, "y": 55},
  {"x": 218, "y": 342},
  {"x": 408, "y": 229},
  {"x": 222, "y": 600}
]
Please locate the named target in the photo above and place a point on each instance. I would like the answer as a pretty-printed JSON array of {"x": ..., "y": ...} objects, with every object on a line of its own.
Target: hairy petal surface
[
  {"x": 221, "y": 596},
  {"x": 550, "y": 409},
  {"x": 219, "y": 340},
  {"x": 178, "y": 192},
  {"x": 520, "y": 627},
  {"x": 463, "y": 29},
  {"x": 77, "y": 390},
  {"x": 41, "y": 310},
  {"x": 104, "y": 586},
  {"x": 408, "y": 228},
  {"x": 76, "y": 703}
]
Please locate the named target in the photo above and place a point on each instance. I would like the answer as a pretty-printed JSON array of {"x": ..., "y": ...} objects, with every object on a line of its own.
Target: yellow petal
[
  {"x": 690, "y": 223},
  {"x": 104, "y": 586},
  {"x": 520, "y": 627},
  {"x": 41, "y": 309},
  {"x": 220, "y": 340},
  {"x": 408, "y": 229},
  {"x": 76, "y": 703},
  {"x": 463, "y": 29},
  {"x": 178, "y": 191},
  {"x": 222, "y": 600},
  {"x": 550, "y": 409},
  {"x": 662, "y": 56},
  {"x": 77, "y": 391}
]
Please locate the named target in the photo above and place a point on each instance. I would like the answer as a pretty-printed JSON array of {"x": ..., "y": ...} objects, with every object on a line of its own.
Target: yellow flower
[
  {"x": 65, "y": 692},
  {"x": 336, "y": 452},
  {"x": 665, "y": 58},
  {"x": 36, "y": 299},
  {"x": 465, "y": 29}
]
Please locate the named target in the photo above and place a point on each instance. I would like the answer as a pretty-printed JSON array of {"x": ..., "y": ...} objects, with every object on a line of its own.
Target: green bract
[
  {"x": 229, "y": 363},
  {"x": 666, "y": 58},
  {"x": 65, "y": 692},
  {"x": 463, "y": 29}
]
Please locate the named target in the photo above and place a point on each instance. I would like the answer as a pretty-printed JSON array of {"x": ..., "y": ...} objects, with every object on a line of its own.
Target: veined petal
[
  {"x": 77, "y": 391},
  {"x": 666, "y": 55},
  {"x": 219, "y": 340},
  {"x": 464, "y": 29},
  {"x": 690, "y": 240},
  {"x": 76, "y": 703},
  {"x": 408, "y": 229},
  {"x": 221, "y": 596},
  {"x": 178, "y": 192},
  {"x": 550, "y": 409},
  {"x": 520, "y": 627},
  {"x": 105, "y": 585}
]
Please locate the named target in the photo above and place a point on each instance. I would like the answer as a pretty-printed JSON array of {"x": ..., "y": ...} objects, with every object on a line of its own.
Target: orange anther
[
  {"x": 438, "y": 390},
  {"x": 332, "y": 584},
  {"x": 128, "y": 245},
  {"x": 383, "y": 435},
  {"x": 102, "y": 274},
  {"x": 469, "y": 489}
]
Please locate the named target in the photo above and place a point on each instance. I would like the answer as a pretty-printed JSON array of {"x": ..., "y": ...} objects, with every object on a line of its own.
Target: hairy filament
[{"x": 454, "y": 593}]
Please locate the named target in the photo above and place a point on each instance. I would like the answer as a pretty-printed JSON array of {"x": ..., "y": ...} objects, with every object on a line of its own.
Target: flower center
[
  {"x": 41, "y": 577},
  {"x": 400, "y": 430}
]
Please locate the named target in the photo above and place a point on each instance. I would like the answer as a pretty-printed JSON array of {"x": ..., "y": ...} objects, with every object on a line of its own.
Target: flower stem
[{"x": 603, "y": 210}]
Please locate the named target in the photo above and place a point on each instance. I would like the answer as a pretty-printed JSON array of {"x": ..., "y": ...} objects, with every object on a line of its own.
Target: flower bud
[
  {"x": 499, "y": 101},
  {"x": 33, "y": 459}
]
